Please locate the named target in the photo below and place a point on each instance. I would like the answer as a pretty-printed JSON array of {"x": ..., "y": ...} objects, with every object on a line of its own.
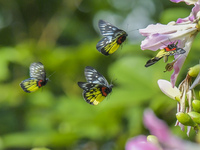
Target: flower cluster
[
  {"x": 188, "y": 106},
  {"x": 184, "y": 30},
  {"x": 162, "y": 138}
]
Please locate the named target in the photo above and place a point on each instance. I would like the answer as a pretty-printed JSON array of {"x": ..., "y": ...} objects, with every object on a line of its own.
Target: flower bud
[
  {"x": 194, "y": 71},
  {"x": 196, "y": 105},
  {"x": 185, "y": 119},
  {"x": 195, "y": 116},
  {"x": 152, "y": 139}
]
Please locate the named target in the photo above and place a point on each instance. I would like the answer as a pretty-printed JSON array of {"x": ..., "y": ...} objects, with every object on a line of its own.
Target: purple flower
[
  {"x": 184, "y": 30},
  {"x": 160, "y": 129},
  {"x": 164, "y": 139},
  {"x": 189, "y": 2}
]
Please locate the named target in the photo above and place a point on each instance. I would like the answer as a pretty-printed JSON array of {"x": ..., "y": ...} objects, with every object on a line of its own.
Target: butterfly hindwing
[
  {"x": 37, "y": 80},
  {"x": 29, "y": 85},
  {"x": 96, "y": 88},
  {"x": 113, "y": 38}
]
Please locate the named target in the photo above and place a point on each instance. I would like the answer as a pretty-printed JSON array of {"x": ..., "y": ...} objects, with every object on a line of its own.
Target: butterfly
[
  {"x": 37, "y": 78},
  {"x": 170, "y": 50},
  {"x": 96, "y": 88},
  {"x": 113, "y": 38}
]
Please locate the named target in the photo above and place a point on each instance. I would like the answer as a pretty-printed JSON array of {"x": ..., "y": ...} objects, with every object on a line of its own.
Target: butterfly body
[
  {"x": 37, "y": 78},
  {"x": 113, "y": 38},
  {"x": 170, "y": 50},
  {"x": 96, "y": 89}
]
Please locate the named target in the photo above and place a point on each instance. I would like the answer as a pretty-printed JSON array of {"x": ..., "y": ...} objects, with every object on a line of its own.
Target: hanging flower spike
[
  {"x": 183, "y": 30},
  {"x": 162, "y": 138},
  {"x": 160, "y": 129},
  {"x": 188, "y": 107}
]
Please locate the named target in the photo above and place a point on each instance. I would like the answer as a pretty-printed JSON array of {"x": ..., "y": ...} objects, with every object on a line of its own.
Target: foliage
[{"x": 62, "y": 35}]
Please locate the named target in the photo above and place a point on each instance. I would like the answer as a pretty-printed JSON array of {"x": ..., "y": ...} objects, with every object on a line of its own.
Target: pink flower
[
  {"x": 189, "y": 2},
  {"x": 165, "y": 139},
  {"x": 160, "y": 129},
  {"x": 183, "y": 30}
]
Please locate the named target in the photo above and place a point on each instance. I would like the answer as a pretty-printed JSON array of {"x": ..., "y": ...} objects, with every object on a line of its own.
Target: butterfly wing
[
  {"x": 37, "y": 71},
  {"x": 93, "y": 76},
  {"x": 106, "y": 28},
  {"x": 178, "y": 51},
  {"x": 94, "y": 93},
  {"x": 29, "y": 85},
  {"x": 106, "y": 46},
  {"x": 155, "y": 59}
]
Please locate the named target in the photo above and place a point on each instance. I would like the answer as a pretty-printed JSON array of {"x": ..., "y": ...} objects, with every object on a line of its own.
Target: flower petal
[
  {"x": 166, "y": 87},
  {"x": 188, "y": 2},
  {"x": 159, "y": 35},
  {"x": 179, "y": 63},
  {"x": 156, "y": 126}
]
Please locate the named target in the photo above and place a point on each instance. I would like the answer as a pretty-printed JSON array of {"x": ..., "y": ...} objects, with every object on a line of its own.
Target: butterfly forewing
[
  {"x": 37, "y": 71},
  {"x": 93, "y": 76},
  {"x": 106, "y": 28}
]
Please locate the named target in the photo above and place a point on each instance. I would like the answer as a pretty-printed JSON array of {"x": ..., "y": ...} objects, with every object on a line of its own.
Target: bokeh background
[{"x": 62, "y": 34}]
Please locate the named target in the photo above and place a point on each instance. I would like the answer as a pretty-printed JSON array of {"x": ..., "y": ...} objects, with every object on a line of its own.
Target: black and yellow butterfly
[
  {"x": 170, "y": 50},
  {"x": 37, "y": 78},
  {"x": 113, "y": 38},
  {"x": 96, "y": 88}
]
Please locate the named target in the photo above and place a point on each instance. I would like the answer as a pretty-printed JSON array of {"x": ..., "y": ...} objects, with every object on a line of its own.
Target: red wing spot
[
  {"x": 173, "y": 49},
  {"x": 39, "y": 83},
  {"x": 103, "y": 90},
  {"x": 167, "y": 49},
  {"x": 119, "y": 40}
]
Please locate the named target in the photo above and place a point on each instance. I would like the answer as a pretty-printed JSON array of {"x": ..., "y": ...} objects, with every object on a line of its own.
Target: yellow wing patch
[
  {"x": 29, "y": 85},
  {"x": 111, "y": 47},
  {"x": 94, "y": 96}
]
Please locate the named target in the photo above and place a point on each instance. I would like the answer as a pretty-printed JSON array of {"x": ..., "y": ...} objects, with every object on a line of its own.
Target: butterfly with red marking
[
  {"x": 171, "y": 49},
  {"x": 113, "y": 38},
  {"x": 37, "y": 78},
  {"x": 96, "y": 89}
]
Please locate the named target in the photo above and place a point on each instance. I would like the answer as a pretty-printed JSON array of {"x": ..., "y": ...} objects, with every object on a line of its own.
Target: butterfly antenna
[
  {"x": 127, "y": 26},
  {"x": 112, "y": 80},
  {"x": 51, "y": 74},
  {"x": 132, "y": 30},
  {"x": 163, "y": 43},
  {"x": 169, "y": 40}
]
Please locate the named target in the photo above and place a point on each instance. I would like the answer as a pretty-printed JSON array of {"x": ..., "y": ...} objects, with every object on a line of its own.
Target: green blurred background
[{"x": 62, "y": 34}]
